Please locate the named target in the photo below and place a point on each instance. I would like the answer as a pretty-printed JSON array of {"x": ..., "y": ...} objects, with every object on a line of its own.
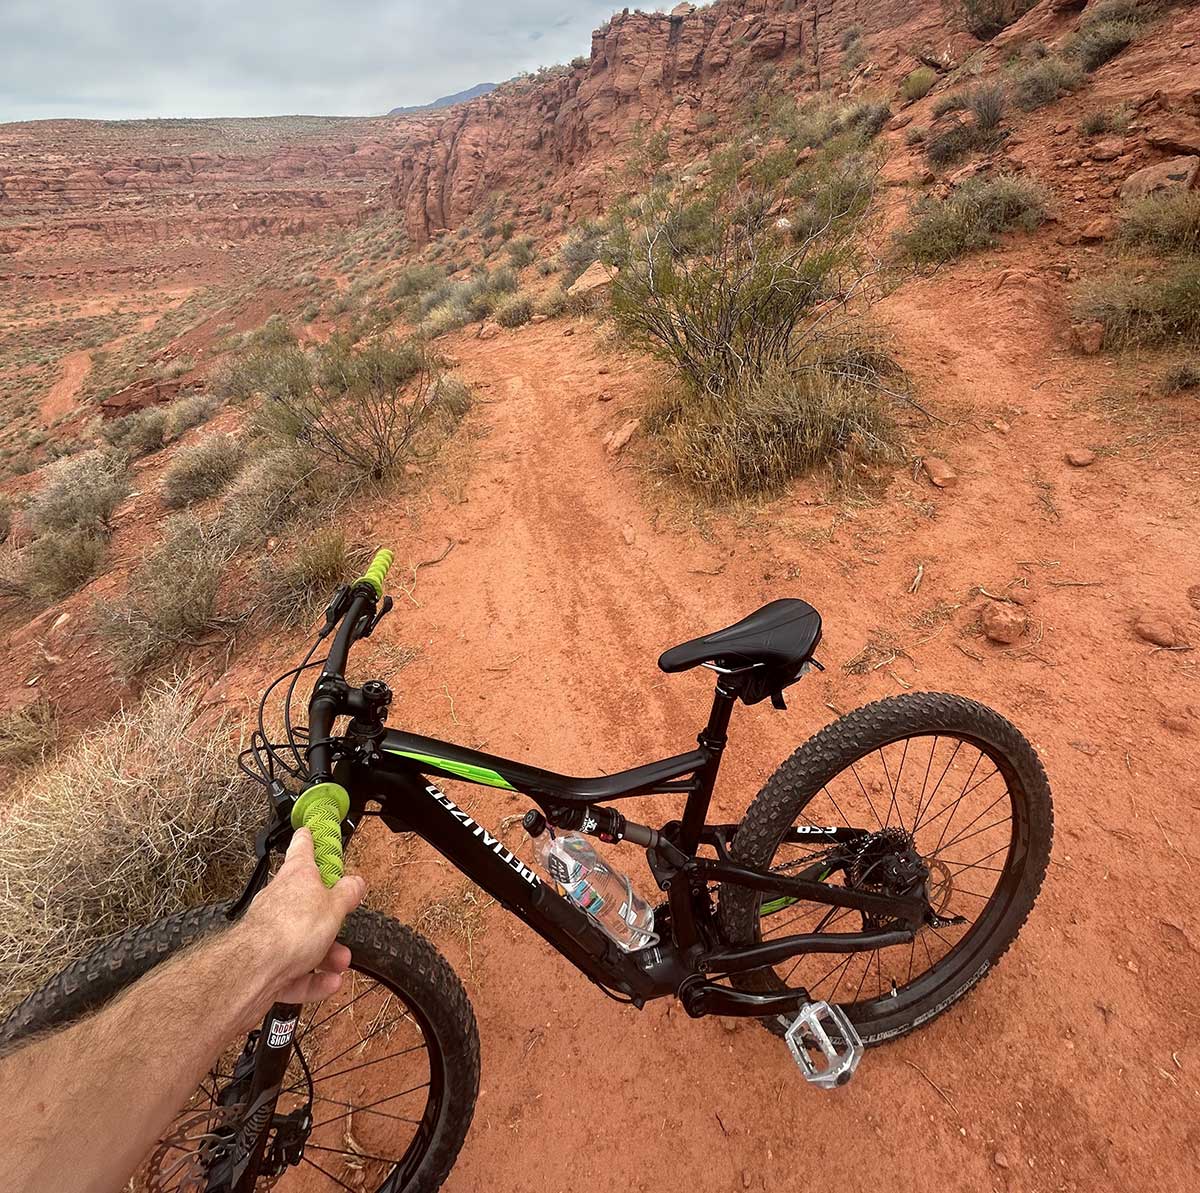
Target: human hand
[{"x": 295, "y": 920}]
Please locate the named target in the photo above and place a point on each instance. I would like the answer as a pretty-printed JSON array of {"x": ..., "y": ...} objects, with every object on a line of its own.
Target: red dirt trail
[{"x": 1074, "y": 1065}]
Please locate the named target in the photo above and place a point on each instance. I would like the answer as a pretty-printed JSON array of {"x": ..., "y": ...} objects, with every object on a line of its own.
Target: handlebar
[{"x": 324, "y": 804}]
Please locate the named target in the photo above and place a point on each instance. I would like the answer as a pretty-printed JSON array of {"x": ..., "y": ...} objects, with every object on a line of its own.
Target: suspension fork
[{"x": 238, "y": 1169}]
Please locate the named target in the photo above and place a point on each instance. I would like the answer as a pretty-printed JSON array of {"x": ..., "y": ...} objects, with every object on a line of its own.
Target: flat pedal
[{"x": 824, "y": 1045}]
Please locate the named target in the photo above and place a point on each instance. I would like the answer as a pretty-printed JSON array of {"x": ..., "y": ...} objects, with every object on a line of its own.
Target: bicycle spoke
[
  {"x": 358, "y": 1044},
  {"x": 369, "y": 1107},
  {"x": 376, "y": 1061},
  {"x": 949, "y": 763},
  {"x": 342, "y": 1151},
  {"x": 340, "y": 1184},
  {"x": 870, "y": 802}
]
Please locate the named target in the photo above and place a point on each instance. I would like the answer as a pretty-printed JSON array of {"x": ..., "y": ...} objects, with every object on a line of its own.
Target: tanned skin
[{"x": 83, "y": 1107}]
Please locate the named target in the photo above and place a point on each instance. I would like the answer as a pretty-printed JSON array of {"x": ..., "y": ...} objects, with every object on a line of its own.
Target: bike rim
[
  {"x": 369, "y": 1130},
  {"x": 989, "y": 842}
]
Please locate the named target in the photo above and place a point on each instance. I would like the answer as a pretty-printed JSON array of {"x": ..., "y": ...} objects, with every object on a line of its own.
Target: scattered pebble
[
  {"x": 1003, "y": 623},
  {"x": 1080, "y": 457},
  {"x": 622, "y": 435},
  {"x": 1157, "y": 628},
  {"x": 939, "y": 472},
  {"x": 1000, "y": 1160}
]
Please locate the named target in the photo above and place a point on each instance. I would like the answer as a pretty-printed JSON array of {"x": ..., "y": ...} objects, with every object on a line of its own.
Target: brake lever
[
  {"x": 271, "y": 838},
  {"x": 385, "y": 608}
]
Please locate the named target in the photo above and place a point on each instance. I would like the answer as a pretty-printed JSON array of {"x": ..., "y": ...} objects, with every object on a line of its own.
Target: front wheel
[
  {"x": 935, "y": 780},
  {"x": 388, "y": 1067}
]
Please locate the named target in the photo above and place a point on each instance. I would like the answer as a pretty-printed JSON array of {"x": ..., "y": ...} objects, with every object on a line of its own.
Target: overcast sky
[{"x": 116, "y": 59}]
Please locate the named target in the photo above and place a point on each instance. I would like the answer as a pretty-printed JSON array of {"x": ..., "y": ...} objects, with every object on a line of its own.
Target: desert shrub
[
  {"x": 1111, "y": 120},
  {"x": 202, "y": 470},
  {"x": 1181, "y": 377},
  {"x": 361, "y": 407},
  {"x": 952, "y": 101},
  {"x": 552, "y": 303},
  {"x": 850, "y": 35},
  {"x": 81, "y": 492},
  {"x": 185, "y": 413},
  {"x": 1041, "y": 82},
  {"x": 6, "y": 517},
  {"x": 986, "y": 18},
  {"x": 986, "y": 103},
  {"x": 54, "y": 565},
  {"x": 829, "y": 195},
  {"x": 514, "y": 311},
  {"x": 737, "y": 305},
  {"x": 274, "y": 333},
  {"x": 953, "y": 143},
  {"x": 915, "y": 135},
  {"x": 1166, "y": 223},
  {"x": 415, "y": 279},
  {"x": 1100, "y": 41},
  {"x": 751, "y": 440},
  {"x": 133, "y": 822},
  {"x": 139, "y": 433},
  {"x": 971, "y": 218},
  {"x": 446, "y": 317},
  {"x": 579, "y": 250},
  {"x": 300, "y": 584},
  {"x": 520, "y": 252},
  {"x": 275, "y": 489},
  {"x": 28, "y": 734},
  {"x": 867, "y": 118},
  {"x": 171, "y": 603},
  {"x": 1159, "y": 309},
  {"x": 919, "y": 83},
  {"x": 452, "y": 399}
]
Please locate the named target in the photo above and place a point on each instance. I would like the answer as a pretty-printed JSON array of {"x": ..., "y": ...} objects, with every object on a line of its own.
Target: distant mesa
[{"x": 446, "y": 101}]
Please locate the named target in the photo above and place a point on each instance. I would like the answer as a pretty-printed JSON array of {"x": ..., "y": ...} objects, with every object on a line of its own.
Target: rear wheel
[
  {"x": 937, "y": 781},
  {"x": 389, "y": 1066}
]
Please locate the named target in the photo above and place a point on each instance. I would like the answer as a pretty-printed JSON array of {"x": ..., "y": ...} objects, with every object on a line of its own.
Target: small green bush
[
  {"x": 1041, "y": 82},
  {"x": 185, "y": 413},
  {"x": 275, "y": 489},
  {"x": 971, "y": 218},
  {"x": 202, "y": 470},
  {"x": 1100, "y": 41},
  {"x": 1112, "y": 120},
  {"x": 986, "y": 18},
  {"x": 953, "y": 143},
  {"x": 81, "y": 492},
  {"x": 986, "y": 104},
  {"x": 296, "y": 587},
  {"x": 952, "y": 101},
  {"x": 520, "y": 252},
  {"x": 514, "y": 311},
  {"x": 448, "y": 316},
  {"x": 1166, "y": 223},
  {"x": 919, "y": 83},
  {"x": 1160, "y": 309}
]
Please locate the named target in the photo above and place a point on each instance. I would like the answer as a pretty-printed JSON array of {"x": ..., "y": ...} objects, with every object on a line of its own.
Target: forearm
[{"x": 84, "y": 1106}]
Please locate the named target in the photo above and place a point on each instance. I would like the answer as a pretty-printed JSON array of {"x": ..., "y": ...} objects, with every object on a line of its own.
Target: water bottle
[{"x": 580, "y": 874}]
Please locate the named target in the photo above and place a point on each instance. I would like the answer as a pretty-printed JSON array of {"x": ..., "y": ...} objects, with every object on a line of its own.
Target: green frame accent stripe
[{"x": 464, "y": 770}]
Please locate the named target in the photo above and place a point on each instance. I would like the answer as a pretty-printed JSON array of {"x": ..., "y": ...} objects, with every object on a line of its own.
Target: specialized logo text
[{"x": 496, "y": 846}]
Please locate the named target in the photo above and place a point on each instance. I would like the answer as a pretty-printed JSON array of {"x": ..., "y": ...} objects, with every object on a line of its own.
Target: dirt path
[
  {"x": 1072, "y": 1066},
  {"x": 60, "y": 400}
]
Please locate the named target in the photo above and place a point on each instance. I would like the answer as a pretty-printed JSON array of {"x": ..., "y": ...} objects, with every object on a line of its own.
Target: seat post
[{"x": 712, "y": 739}]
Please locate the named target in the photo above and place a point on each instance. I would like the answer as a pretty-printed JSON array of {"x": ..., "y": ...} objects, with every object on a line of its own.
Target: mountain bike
[{"x": 891, "y": 859}]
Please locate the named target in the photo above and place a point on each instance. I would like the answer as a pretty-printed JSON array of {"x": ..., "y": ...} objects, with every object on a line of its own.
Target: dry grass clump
[
  {"x": 1181, "y": 377},
  {"x": 553, "y": 303},
  {"x": 277, "y": 488},
  {"x": 135, "y": 821},
  {"x": 919, "y": 83},
  {"x": 52, "y": 566},
  {"x": 515, "y": 311},
  {"x": 1166, "y": 223},
  {"x": 973, "y": 217},
  {"x": 457, "y": 916},
  {"x": 1160, "y": 309},
  {"x": 986, "y": 18},
  {"x": 147, "y": 431},
  {"x": 751, "y": 440},
  {"x": 295, "y": 588},
  {"x": 1105, "y": 30},
  {"x": 28, "y": 734},
  {"x": 171, "y": 603},
  {"x": 81, "y": 493},
  {"x": 202, "y": 470},
  {"x": 1042, "y": 81}
]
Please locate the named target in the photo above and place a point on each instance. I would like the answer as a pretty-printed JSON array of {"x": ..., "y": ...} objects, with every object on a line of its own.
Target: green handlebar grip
[
  {"x": 321, "y": 809},
  {"x": 377, "y": 571}
]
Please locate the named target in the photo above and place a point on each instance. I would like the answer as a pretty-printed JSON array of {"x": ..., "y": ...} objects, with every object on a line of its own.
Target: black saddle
[{"x": 770, "y": 649}]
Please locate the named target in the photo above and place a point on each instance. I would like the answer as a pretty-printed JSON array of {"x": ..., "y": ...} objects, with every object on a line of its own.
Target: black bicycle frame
[{"x": 398, "y": 777}]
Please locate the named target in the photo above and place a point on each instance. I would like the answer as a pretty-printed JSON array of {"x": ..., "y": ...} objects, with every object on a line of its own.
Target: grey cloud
[{"x": 120, "y": 59}]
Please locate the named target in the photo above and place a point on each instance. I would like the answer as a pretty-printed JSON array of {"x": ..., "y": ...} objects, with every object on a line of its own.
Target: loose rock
[
  {"x": 489, "y": 331},
  {"x": 939, "y": 472},
  {"x": 1158, "y": 629},
  {"x": 593, "y": 278},
  {"x": 1088, "y": 337},
  {"x": 1003, "y": 623},
  {"x": 622, "y": 435},
  {"x": 1178, "y": 173},
  {"x": 1080, "y": 457}
]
